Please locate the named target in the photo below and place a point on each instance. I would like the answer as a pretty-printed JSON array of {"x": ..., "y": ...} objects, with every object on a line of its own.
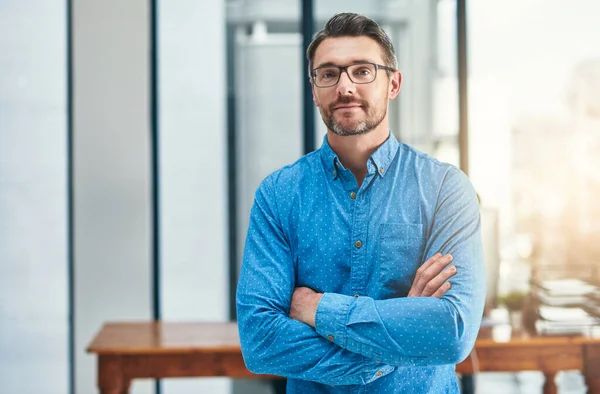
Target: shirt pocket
[{"x": 400, "y": 254}]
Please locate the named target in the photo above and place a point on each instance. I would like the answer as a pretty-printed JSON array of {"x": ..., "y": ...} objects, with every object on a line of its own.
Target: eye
[
  {"x": 362, "y": 71},
  {"x": 328, "y": 73}
]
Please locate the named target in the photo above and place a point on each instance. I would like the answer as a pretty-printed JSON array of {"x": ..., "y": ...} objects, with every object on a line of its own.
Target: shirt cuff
[
  {"x": 331, "y": 317},
  {"x": 382, "y": 371}
]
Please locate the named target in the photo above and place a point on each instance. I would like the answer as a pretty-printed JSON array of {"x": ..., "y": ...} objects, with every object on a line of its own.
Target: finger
[
  {"x": 434, "y": 284},
  {"x": 417, "y": 285},
  {"x": 424, "y": 276},
  {"x": 435, "y": 268},
  {"x": 442, "y": 290},
  {"x": 430, "y": 261}
]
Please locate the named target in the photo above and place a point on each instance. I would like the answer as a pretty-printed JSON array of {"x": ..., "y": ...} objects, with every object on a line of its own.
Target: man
[{"x": 344, "y": 286}]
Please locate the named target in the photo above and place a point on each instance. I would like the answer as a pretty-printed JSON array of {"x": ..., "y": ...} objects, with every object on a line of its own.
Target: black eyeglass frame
[{"x": 345, "y": 68}]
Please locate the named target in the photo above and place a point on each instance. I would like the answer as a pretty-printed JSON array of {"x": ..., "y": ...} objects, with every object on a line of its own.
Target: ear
[{"x": 394, "y": 85}]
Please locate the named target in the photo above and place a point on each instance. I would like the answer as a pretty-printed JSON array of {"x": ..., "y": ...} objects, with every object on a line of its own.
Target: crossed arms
[
  {"x": 431, "y": 280},
  {"x": 346, "y": 340}
]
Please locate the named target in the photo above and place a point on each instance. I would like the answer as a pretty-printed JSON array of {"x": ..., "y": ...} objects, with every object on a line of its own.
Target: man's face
[{"x": 348, "y": 108}]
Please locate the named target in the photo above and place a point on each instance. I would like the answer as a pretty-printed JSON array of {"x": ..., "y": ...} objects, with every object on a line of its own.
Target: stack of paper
[
  {"x": 565, "y": 292},
  {"x": 565, "y": 307},
  {"x": 558, "y": 320}
]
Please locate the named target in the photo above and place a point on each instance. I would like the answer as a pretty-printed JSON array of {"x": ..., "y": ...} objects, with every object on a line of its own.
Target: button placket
[{"x": 360, "y": 223}]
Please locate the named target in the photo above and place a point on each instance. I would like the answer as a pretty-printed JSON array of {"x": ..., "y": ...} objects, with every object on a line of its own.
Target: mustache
[{"x": 347, "y": 100}]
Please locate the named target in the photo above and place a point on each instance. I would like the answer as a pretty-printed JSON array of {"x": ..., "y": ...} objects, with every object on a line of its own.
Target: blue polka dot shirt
[{"x": 311, "y": 225}]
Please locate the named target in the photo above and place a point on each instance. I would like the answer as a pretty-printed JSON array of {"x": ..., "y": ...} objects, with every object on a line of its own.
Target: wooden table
[{"x": 128, "y": 351}]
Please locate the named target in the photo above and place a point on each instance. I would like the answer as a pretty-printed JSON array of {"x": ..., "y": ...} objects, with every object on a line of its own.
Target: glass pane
[
  {"x": 534, "y": 111},
  {"x": 33, "y": 198},
  {"x": 445, "y": 85}
]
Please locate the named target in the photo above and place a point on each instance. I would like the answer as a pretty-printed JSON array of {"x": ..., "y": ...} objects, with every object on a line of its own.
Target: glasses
[{"x": 359, "y": 73}]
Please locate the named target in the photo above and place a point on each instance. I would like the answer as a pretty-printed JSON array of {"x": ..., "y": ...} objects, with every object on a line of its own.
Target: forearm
[
  {"x": 415, "y": 331},
  {"x": 274, "y": 344}
]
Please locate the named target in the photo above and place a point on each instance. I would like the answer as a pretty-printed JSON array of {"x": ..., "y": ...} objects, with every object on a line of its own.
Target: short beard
[{"x": 372, "y": 121}]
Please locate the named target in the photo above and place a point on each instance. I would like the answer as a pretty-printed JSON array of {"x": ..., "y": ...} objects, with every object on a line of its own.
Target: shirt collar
[
  {"x": 329, "y": 157},
  {"x": 381, "y": 159},
  {"x": 384, "y": 155}
]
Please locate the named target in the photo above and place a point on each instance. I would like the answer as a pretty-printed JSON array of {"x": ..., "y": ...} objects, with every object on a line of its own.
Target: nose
[{"x": 345, "y": 86}]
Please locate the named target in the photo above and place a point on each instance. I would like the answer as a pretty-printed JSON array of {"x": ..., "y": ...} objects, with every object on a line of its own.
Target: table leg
[
  {"x": 549, "y": 384},
  {"x": 111, "y": 377},
  {"x": 591, "y": 367}
]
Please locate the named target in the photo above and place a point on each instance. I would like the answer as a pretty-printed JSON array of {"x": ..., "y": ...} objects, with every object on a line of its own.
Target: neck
[{"x": 354, "y": 150}]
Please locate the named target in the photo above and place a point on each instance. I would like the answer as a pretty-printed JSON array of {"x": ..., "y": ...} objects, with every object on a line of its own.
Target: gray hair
[{"x": 353, "y": 25}]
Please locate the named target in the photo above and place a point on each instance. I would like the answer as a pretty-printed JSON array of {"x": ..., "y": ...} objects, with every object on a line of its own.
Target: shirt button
[
  {"x": 377, "y": 361},
  {"x": 353, "y": 195},
  {"x": 330, "y": 337},
  {"x": 381, "y": 170},
  {"x": 355, "y": 295},
  {"x": 379, "y": 373},
  {"x": 358, "y": 244}
]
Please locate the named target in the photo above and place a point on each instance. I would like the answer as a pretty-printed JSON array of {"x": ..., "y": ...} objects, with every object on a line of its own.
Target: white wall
[
  {"x": 112, "y": 172},
  {"x": 193, "y": 170},
  {"x": 33, "y": 198}
]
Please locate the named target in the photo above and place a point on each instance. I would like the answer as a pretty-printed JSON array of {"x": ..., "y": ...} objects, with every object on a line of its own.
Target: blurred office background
[{"x": 134, "y": 133}]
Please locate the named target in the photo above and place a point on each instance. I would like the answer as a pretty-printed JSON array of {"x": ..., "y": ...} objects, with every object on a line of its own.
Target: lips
[{"x": 348, "y": 106}]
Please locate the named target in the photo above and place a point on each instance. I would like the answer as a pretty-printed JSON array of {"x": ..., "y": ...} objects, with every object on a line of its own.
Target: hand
[
  {"x": 432, "y": 279},
  {"x": 304, "y": 305}
]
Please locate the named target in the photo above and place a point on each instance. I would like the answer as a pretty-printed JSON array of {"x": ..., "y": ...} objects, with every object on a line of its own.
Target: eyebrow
[{"x": 331, "y": 64}]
